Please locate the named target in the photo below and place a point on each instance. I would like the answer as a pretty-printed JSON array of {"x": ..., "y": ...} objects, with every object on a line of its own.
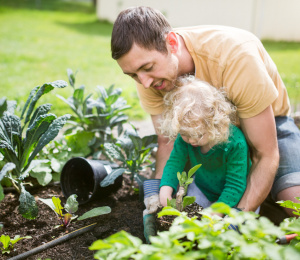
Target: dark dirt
[
  {"x": 126, "y": 214},
  {"x": 164, "y": 223}
]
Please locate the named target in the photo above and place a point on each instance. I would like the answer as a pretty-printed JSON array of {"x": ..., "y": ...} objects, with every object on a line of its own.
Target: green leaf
[
  {"x": 47, "y": 87},
  {"x": 18, "y": 238},
  {"x": 71, "y": 77},
  {"x": 33, "y": 135},
  {"x": 48, "y": 202},
  {"x": 111, "y": 177},
  {"x": 193, "y": 170},
  {"x": 28, "y": 207},
  {"x": 42, "y": 174},
  {"x": 57, "y": 206},
  {"x": 6, "y": 168},
  {"x": 95, "y": 212},
  {"x": 221, "y": 207},
  {"x": 171, "y": 203},
  {"x": 71, "y": 205},
  {"x": 169, "y": 211},
  {"x": 5, "y": 240},
  {"x": 31, "y": 95},
  {"x": 79, "y": 94},
  {"x": 114, "y": 151},
  {"x": 78, "y": 142},
  {"x": 50, "y": 134},
  {"x": 3, "y": 106},
  {"x": 30, "y": 167},
  {"x": 1, "y": 196},
  {"x": 187, "y": 200},
  {"x": 41, "y": 110}
]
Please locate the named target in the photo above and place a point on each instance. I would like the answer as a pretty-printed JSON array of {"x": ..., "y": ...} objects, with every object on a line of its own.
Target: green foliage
[
  {"x": 96, "y": 117},
  {"x": 132, "y": 150},
  {"x": 291, "y": 205},
  {"x": 8, "y": 243},
  {"x": 21, "y": 148},
  {"x": 71, "y": 207},
  {"x": 185, "y": 180},
  {"x": 54, "y": 155},
  {"x": 208, "y": 238}
]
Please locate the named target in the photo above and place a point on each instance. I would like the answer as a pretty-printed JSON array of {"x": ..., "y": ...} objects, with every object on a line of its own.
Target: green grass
[
  {"x": 286, "y": 56},
  {"x": 40, "y": 39}
]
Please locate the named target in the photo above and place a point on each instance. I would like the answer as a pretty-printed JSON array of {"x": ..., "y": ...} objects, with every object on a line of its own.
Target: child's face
[{"x": 200, "y": 141}]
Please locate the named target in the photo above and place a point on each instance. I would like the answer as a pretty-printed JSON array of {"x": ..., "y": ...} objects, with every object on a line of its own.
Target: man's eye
[{"x": 149, "y": 69}]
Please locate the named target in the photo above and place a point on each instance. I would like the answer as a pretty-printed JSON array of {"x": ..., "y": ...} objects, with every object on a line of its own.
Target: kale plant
[
  {"x": 20, "y": 143},
  {"x": 71, "y": 207},
  {"x": 95, "y": 119},
  {"x": 132, "y": 151},
  {"x": 185, "y": 180}
]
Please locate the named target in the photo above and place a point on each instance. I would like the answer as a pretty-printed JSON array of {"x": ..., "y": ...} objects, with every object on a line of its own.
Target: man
[{"x": 154, "y": 54}]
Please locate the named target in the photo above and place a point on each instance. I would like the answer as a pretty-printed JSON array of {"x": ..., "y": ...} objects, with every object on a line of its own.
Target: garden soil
[{"x": 126, "y": 214}]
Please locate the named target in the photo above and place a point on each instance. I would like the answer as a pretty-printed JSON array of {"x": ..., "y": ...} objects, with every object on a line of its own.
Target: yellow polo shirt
[{"x": 234, "y": 59}]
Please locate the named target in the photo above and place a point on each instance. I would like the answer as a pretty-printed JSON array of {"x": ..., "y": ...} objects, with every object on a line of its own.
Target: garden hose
[{"x": 54, "y": 242}]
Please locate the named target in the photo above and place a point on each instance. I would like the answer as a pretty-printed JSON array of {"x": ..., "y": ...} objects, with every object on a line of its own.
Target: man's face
[{"x": 150, "y": 68}]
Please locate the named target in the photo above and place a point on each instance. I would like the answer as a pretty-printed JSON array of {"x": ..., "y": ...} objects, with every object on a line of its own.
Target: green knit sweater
[{"x": 223, "y": 174}]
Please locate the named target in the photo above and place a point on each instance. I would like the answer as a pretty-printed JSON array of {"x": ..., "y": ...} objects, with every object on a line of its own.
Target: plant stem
[
  {"x": 179, "y": 198},
  {"x": 14, "y": 183}
]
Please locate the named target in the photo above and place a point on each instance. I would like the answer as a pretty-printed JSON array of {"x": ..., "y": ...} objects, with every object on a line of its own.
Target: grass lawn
[{"x": 40, "y": 39}]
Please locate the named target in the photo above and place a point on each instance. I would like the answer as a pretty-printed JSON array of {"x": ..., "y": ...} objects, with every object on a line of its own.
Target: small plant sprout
[
  {"x": 185, "y": 180},
  {"x": 132, "y": 150},
  {"x": 8, "y": 243},
  {"x": 71, "y": 207}
]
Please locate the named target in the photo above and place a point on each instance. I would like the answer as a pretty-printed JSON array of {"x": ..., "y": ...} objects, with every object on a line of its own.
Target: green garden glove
[{"x": 149, "y": 221}]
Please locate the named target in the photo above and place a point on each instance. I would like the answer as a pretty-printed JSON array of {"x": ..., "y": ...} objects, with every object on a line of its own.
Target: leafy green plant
[
  {"x": 20, "y": 147},
  {"x": 132, "y": 151},
  {"x": 185, "y": 180},
  {"x": 96, "y": 117},
  {"x": 291, "y": 205},
  {"x": 8, "y": 243},
  {"x": 71, "y": 208},
  {"x": 208, "y": 238},
  {"x": 55, "y": 155}
]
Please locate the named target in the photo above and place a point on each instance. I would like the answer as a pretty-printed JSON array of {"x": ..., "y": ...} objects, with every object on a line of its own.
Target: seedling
[
  {"x": 132, "y": 150},
  {"x": 8, "y": 243},
  {"x": 71, "y": 207},
  {"x": 185, "y": 180}
]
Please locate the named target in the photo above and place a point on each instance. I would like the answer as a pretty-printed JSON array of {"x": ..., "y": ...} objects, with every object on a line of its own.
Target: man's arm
[
  {"x": 165, "y": 147},
  {"x": 260, "y": 132}
]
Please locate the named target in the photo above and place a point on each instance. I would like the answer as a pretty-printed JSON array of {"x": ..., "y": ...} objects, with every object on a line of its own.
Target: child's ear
[{"x": 172, "y": 41}]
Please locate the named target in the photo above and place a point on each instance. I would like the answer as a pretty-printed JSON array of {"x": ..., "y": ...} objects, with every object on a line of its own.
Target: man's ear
[{"x": 172, "y": 41}]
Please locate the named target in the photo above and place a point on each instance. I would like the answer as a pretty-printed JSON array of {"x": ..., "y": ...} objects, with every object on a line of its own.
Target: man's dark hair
[{"x": 142, "y": 25}]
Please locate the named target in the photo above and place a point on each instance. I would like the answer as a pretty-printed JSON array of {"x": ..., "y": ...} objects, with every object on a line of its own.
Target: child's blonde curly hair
[{"x": 195, "y": 107}]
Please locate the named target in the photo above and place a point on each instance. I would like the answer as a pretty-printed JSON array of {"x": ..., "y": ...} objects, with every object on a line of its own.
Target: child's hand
[{"x": 165, "y": 194}]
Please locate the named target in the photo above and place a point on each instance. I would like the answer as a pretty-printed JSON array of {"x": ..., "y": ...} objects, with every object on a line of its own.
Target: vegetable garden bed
[{"x": 126, "y": 214}]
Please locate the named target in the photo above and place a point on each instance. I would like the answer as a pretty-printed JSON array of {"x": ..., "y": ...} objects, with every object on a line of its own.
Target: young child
[{"x": 197, "y": 116}]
